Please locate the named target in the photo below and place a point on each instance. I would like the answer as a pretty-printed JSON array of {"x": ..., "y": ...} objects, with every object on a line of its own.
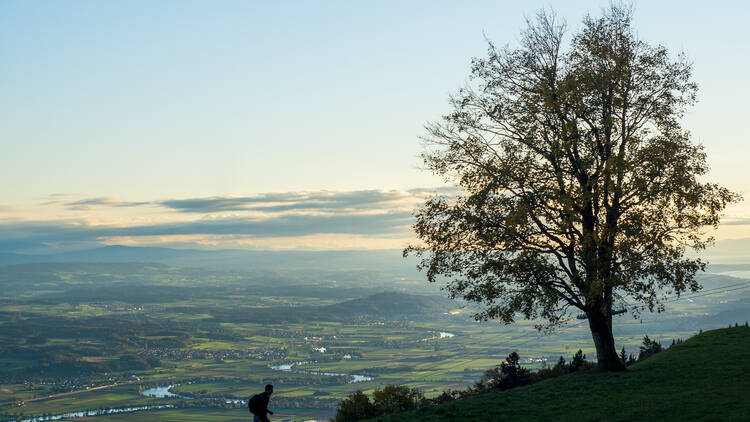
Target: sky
[{"x": 280, "y": 124}]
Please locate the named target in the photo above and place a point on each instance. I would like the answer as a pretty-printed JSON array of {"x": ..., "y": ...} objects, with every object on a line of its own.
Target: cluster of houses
[{"x": 170, "y": 353}]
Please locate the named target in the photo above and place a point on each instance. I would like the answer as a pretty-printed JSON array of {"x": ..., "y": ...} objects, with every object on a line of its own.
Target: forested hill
[
  {"x": 702, "y": 379},
  {"x": 379, "y": 305},
  {"x": 392, "y": 303},
  {"x": 389, "y": 260}
]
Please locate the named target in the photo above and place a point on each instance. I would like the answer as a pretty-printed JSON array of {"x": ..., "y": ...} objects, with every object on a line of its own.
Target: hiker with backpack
[{"x": 258, "y": 405}]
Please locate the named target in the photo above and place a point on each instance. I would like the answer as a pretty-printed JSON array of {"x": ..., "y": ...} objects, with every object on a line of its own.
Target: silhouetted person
[{"x": 258, "y": 405}]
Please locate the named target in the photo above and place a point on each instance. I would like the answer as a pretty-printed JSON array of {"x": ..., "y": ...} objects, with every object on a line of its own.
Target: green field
[{"x": 702, "y": 379}]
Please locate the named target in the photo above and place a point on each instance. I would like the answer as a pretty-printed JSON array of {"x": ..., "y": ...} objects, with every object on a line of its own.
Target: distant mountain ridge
[
  {"x": 725, "y": 256},
  {"x": 380, "y": 260},
  {"x": 392, "y": 303},
  {"x": 387, "y": 305}
]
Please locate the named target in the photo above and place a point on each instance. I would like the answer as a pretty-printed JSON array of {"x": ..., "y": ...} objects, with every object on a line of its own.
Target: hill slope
[
  {"x": 702, "y": 379},
  {"x": 392, "y": 303},
  {"x": 381, "y": 305},
  {"x": 387, "y": 260}
]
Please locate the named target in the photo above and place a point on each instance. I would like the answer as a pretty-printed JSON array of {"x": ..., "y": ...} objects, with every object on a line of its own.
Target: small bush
[
  {"x": 390, "y": 399},
  {"x": 508, "y": 375},
  {"x": 649, "y": 348},
  {"x": 560, "y": 368},
  {"x": 393, "y": 398},
  {"x": 450, "y": 395},
  {"x": 578, "y": 362},
  {"x": 356, "y": 407},
  {"x": 676, "y": 341}
]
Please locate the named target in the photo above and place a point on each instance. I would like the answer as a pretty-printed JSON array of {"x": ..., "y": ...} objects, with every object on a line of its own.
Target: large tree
[{"x": 576, "y": 184}]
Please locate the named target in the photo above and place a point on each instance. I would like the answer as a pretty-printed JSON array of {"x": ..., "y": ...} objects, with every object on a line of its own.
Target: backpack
[{"x": 253, "y": 404}]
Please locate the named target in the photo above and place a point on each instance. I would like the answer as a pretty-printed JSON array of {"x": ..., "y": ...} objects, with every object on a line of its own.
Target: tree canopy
[{"x": 576, "y": 183}]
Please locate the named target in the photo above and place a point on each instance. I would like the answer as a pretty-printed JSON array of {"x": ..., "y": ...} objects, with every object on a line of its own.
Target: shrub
[
  {"x": 578, "y": 362},
  {"x": 390, "y": 399},
  {"x": 631, "y": 360},
  {"x": 354, "y": 408},
  {"x": 649, "y": 348},
  {"x": 393, "y": 398},
  {"x": 560, "y": 368},
  {"x": 508, "y": 375},
  {"x": 450, "y": 395}
]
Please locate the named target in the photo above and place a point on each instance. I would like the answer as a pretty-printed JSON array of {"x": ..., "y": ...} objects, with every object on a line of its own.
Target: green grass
[{"x": 702, "y": 379}]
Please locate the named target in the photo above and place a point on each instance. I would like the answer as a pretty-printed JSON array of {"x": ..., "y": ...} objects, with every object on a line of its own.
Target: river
[
  {"x": 162, "y": 392},
  {"x": 289, "y": 367},
  {"x": 97, "y": 412}
]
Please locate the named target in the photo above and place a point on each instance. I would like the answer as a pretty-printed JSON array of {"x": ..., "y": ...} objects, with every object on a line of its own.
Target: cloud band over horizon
[
  {"x": 320, "y": 220},
  {"x": 325, "y": 219}
]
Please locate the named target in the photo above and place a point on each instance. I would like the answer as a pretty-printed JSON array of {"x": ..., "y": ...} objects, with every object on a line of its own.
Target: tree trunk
[{"x": 600, "y": 322}]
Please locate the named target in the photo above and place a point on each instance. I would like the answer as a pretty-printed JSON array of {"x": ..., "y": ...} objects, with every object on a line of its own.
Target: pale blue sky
[{"x": 151, "y": 101}]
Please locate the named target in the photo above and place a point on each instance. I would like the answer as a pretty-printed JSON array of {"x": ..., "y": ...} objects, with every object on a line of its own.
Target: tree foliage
[
  {"x": 578, "y": 362},
  {"x": 396, "y": 398},
  {"x": 356, "y": 407},
  {"x": 576, "y": 183},
  {"x": 648, "y": 348},
  {"x": 508, "y": 375},
  {"x": 391, "y": 399}
]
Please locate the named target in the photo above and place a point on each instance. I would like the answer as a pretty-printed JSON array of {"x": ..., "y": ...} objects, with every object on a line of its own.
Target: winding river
[
  {"x": 97, "y": 412},
  {"x": 162, "y": 392},
  {"x": 289, "y": 367}
]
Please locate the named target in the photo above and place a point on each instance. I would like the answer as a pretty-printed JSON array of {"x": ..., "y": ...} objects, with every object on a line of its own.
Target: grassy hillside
[{"x": 703, "y": 379}]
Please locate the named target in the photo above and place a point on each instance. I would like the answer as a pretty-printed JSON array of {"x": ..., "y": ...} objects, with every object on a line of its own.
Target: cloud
[
  {"x": 53, "y": 198},
  {"x": 26, "y": 235},
  {"x": 291, "y": 201},
  {"x": 353, "y": 215},
  {"x": 741, "y": 221},
  {"x": 285, "y": 225},
  {"x": 280, "y": 202},
  {"x": 440, "y": 190},
  {"x": 86, "y": 204}
]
